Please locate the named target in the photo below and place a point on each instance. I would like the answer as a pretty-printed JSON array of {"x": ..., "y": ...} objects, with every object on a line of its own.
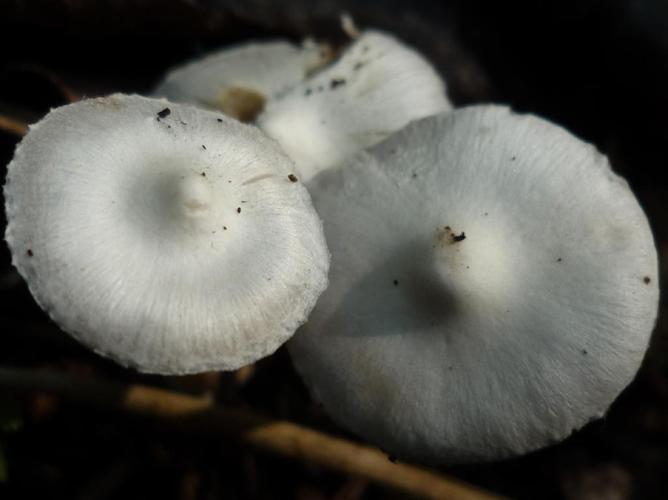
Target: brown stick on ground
[
  {"x": 281, "y": 437},
  {"x": 13, "y": 126}
]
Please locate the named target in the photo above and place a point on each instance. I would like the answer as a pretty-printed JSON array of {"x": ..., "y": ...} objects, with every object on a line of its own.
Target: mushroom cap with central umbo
[
  {"x": 493, "y": 288},
  {"x": 168, "y": 238}
]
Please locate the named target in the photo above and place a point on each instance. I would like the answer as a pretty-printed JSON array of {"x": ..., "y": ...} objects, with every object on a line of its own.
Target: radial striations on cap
[
  {"x": 493, "y": 288},
  {"x": 168, "y": 238}
]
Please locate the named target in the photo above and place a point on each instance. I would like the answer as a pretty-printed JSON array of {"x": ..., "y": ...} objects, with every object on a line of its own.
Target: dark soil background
[{"x": 599, "y": 68}]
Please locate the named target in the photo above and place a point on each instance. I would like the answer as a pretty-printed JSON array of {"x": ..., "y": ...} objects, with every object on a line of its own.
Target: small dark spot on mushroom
[
  {"x": 485, "y": 214},
  {"x": 224, "y": 228},
  {"x": 392, "y": 459},
  {"x": 29, "y": 252},
  {"x": 238, "y": 210},
  {"x": 308, "y": 92},
  {"x": 468, "y": 267},
  {"x": 203, "y": 146},
  {"x": 447, "y": 228},
  {"x": 320, "y": 88},
  {"x": 244, "y": 201},
  {"x": 358, "y": 66},
  {"x": 164, "y": 113},
  {"x": 169, "y": 126},
  {"x": 584, "y": 351},
  {"x": 229, "y": 181},
  {"x": 395, "y": 282},
  {"x": 292, "y": 178},
  {"x": 450, "y": 368},
  {"x": 183, "y": 123},
  {"x": 559, "y": 259},
  {"x": 646, "y": 280},
  {"x": 336, "y": 82},
  {"x": 219, "y": 120},
  {"x": 456, "y": 238},
  {"x": 513, "y": 158},
  {"x": 414, "y": 175},
  {"x": 203, "y": 174},
  {"x": 365, "y": 48}
]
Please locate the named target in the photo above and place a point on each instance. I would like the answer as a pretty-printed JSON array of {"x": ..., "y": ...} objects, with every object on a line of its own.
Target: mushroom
[
  {"x": 168, "y": 238},
  {"x": 493, "y": 288},
  {"x": 238, "y": 81},
  {"x": 376, "y": 87}
]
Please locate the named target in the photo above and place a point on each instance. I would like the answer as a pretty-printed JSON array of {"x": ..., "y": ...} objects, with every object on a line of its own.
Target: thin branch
[
  {"x": 280, "y": 437},
  {"x": 13, "y": 126}
]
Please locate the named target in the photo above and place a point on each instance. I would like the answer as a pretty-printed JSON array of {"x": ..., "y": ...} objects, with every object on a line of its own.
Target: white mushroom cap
[
  {"x": 493, "y": 288},
  {"x": 239, "y": 80},
  {"x": 375, "y": 88},
  {"x": 168, "y": 238}
]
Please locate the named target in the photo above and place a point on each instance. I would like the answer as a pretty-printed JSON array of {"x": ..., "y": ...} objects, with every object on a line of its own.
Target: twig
[
  {"x": 281, "y": 437},
  {"x": 13, "y": 126}
]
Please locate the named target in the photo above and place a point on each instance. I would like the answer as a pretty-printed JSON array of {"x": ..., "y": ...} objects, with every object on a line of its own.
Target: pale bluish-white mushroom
[
  {"x": 375, "y": 88},
  {"x": 239, "y": 80},
  {"x": 320, "y": 114},
  {"x": 493, "y": 288},
  {"x": 168, "y": 238}
]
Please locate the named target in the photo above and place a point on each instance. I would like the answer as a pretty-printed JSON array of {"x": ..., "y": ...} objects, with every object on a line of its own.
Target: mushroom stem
[
  {"x": 280, "y": 437},
  {"x": 13, "y": 126}
]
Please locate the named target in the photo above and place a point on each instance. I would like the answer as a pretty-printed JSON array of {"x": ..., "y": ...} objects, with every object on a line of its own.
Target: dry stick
[
  {"x": 20, "y": 128},
  {"x": 281, "y": 437},
  {"x": 13, "y": 126}
]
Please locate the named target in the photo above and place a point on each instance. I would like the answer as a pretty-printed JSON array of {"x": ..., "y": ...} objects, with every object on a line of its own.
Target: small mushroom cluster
[
  {"x": 319, "y": 113},
  {"x": 493, "y": 284}
]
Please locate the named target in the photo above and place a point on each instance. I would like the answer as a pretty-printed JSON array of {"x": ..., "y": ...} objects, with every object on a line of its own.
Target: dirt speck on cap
[
  {"x": 448, "y": 236},
  {"x": 337, "y": 82}
]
